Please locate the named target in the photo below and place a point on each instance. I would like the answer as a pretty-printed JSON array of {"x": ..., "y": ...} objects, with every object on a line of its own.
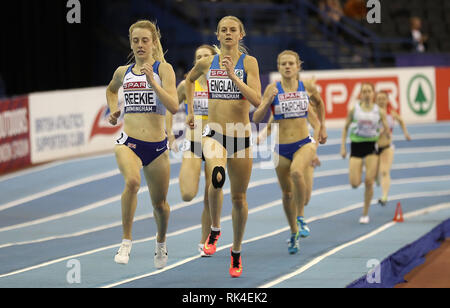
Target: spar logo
[{"x": 420, "y": 95}]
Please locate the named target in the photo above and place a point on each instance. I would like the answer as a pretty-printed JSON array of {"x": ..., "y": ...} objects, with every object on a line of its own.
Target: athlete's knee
[
  {"x": 239, "y": 200},
  {"x": 187, "y": 196},
  {"x": 297, "y": 176},
  {"x": 160, "y": 206},
  {"x": 369, "y": 181},
  {"x": 384, "y": 173},
  {"x": 132, "y": 184},
  {"x": 355, "y": 183},
  {"x": 218, "y": 177}
]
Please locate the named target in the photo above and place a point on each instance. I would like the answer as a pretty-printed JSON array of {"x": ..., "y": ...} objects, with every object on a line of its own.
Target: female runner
[
  {"x": 149, "y": 89},
  {"x": 234, "y": 84}
]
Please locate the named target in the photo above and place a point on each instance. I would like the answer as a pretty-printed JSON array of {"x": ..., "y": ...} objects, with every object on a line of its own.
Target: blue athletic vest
[
  {"x": 290, "y": 105},
  {"x": 220, "y": 86}
]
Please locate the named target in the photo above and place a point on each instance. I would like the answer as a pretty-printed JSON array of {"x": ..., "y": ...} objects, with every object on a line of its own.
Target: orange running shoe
[
  {"x": 236, "y": 265},
  {"x": 211, "y": 243}
]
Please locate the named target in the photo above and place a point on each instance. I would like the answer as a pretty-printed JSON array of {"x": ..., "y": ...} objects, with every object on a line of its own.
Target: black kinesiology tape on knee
[{"x": 216, "y": 171}]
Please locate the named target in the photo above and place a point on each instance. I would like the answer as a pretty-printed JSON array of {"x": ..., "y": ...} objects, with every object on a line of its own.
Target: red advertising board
[
  {"x": 443, "y": 93},
  {"x": 338, "y": 94},
  {"x": 14, "y": 134}
]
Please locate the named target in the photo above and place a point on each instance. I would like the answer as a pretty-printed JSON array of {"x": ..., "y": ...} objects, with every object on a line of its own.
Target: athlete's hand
[
  {"x": 408, "y": 137},
  {"x": 147, "y": 69},
  {"x": 343, "y": 152},
  {"x": 261, "y": 137},
  {"x": 228, "y": 64},
  {"x": 316, "y": 162},
  {"x": 113, "y": 117},
  {"x": 172, "y": 143},
  {"x": 323, "y": 136},
  {"x": 190, "y": 121},
  {"x": 273, "y": 95}
]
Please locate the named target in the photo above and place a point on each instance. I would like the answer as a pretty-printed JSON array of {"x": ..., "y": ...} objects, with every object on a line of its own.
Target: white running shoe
[
  {"x": 123, "y": 255},
  {"x": 364, "y": 220},
  {"x": 160, "y": 256}
]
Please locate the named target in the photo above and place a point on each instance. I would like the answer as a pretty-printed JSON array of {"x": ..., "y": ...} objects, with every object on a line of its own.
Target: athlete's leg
[
  {"x": 189, "y": 175},
  {"x": 284, "y": 179},
  {"x": 355, "y": 171},
  {"x": 206, "y": 215},
  {"x": 129, "y": 165},
  {"x": 301, "y": 160},
  {"x": 215, "y": 161},
  {"x": 371, "y": 162},
  {"x": 239, "y": 172},
  {"x": 157, "y": 175},
  {"x": 385, "y": 162}
]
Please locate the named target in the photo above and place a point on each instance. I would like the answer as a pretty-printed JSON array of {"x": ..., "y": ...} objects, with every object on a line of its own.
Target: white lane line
[
  {"x": 59, "y": 188},
  {"x": 186, "y": 204},
  {"x": 316, "y": 260},
  {"x": 74, "y": 212},
  {"x": 401, "y": 137},
  {"x": 177, "y": 206},
  {"x": 273, "y": 233},
  {"x": 175, "y": 233},
  {"x": 263, "y": 164},
  {"x": 49, "y": 165},
  {"x": 254, "y": 210},
  {"x": 117, "y": 223}
]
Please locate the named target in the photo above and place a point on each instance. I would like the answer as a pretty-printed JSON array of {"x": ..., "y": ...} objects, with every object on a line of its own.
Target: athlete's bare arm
[
  {"x": 319, "y": 107},
  {"x": 111, "y": 93},
  {"x": 200, "y": 68},
  {"x": 348, "y": 121},
  {"x": 268, "y": 97}
]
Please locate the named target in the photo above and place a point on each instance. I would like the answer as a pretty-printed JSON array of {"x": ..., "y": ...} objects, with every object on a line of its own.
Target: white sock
[
  {"x": 215, "y": 229},
  {"x": 127, "y": 242}
]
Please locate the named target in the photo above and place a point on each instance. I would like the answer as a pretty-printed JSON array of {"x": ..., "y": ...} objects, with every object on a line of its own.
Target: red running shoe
[
  {"x": 211, "y": 243},
  {"x": 236, "y": 265}
]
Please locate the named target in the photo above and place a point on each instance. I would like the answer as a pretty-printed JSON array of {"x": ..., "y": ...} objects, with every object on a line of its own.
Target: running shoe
[
  {"x": 382, "y": 201},
  {"x": 161, "y": 256},
  {"x": 200, "y": 250},
  {"x": 236, "y": 265},
  {"x": 294, "y": 243},
  {"x": 211, "y": 243},
  {"x": 364, "y": 220},
  {"x": 123, "y": 255},
  {"x": 303, "y": 227}
]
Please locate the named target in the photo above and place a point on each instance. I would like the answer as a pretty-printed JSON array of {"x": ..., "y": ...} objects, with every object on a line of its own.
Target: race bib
[
  {"x": 139, "y": 97},
  {"x": 201, "y": 103},
  {"x": 221, "y": 87},
  {"x": 292, "y": 105}
]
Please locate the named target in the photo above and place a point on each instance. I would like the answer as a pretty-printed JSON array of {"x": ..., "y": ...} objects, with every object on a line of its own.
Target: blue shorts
[
  {"x": 146, "y": 151},
  {"x": 288, "y": 150}
]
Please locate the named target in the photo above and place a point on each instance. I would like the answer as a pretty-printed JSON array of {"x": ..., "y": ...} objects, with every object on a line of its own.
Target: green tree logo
[{"x": 420, "y": 95}]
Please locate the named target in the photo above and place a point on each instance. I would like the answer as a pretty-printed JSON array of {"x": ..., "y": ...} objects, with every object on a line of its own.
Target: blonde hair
[
  {"x": 291, "y": 53},
  {"x": 158, "y": 53},
  {"x": 242, "y": 48}
]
